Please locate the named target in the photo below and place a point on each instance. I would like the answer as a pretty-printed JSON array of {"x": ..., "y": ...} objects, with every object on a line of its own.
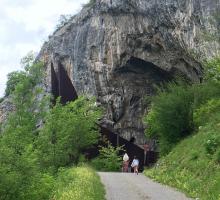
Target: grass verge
[{"x": 77, "y": 184}]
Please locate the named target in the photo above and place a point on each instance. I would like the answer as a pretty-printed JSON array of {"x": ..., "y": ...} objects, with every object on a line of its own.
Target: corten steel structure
[{"x": 62, "y": 85}]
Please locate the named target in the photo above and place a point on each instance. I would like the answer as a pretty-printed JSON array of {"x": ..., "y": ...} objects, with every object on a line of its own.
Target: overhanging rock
[{"x": 118, "y": 49}]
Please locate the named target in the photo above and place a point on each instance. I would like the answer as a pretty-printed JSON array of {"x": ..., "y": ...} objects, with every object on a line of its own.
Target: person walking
[
  {"x": 146, "y": 153},
  {"x": 125, "y": 163},
  {"x": 135, "y": 164}
]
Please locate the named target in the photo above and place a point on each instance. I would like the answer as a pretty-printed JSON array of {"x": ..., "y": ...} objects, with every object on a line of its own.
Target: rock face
[
  {"x": 118, "y": 49},
  {"x": 6, "y": 107}
]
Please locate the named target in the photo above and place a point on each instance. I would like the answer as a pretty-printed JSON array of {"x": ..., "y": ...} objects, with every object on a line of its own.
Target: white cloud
[{"x": 24, "y": 25}]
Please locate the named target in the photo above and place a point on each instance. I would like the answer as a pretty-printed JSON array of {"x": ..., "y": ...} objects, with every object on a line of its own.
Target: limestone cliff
[
  {"x": 118, "y": 49},
  {"x": 6, "y": 107}
]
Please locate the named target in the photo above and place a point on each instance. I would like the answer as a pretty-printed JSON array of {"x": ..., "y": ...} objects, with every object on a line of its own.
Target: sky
[{"x": 25, "y": 25}]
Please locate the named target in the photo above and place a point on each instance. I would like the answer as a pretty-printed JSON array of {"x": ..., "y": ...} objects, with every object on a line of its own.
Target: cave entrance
[
  {"x": 138, "y": 66},
  {"x": 61, "y": 85},
  {"x": 131, "y": 148}
]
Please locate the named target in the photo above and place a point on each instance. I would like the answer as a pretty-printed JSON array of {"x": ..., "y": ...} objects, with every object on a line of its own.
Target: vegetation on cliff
[
  {"x": 37, "y": 140},
  {"x": 186, "y": 121}
]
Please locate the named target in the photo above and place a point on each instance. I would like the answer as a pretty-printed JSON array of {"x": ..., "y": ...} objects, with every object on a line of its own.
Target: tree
[
  {"x": 171, "y": 115},
  {"x": 14, "y": 78},
  {"x": 20, "y": 175},
  {"x": 67, "y": 131}
]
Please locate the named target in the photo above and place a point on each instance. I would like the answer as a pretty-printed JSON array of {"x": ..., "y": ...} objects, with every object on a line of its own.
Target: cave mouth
[
  {"x": 61, "y": 85},
  {"x": 138, "y": 66}
]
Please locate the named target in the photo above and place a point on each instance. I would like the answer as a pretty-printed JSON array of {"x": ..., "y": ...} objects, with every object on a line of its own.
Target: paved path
[{"x": 128, "y": 186}]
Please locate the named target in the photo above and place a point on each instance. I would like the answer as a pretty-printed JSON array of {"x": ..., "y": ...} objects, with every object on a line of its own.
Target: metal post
[{"x": 117, "y": 139}]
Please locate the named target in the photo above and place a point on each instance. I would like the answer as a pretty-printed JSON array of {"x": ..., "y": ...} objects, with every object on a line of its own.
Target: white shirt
[
  {"x": 125, "y": 157},
  {"x": 135, "y": 162}
]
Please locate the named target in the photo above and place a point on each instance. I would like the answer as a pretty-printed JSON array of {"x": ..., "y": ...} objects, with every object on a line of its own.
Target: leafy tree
[
  {"x": 171, "y": 115},
  {"x": 14, "y": 78},
  {"x": 20, "y": 175},
  {"x": 68, "y": 130}
]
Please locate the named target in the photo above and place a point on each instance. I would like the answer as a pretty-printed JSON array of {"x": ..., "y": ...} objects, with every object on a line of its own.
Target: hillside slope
[{"x": 193, "y": 165}]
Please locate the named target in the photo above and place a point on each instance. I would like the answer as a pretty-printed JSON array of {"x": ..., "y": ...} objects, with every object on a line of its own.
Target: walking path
[{"x": 128, "y": 186}]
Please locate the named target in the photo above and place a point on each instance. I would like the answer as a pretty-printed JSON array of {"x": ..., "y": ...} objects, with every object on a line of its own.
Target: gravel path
[{"x": 128, "y": 186}]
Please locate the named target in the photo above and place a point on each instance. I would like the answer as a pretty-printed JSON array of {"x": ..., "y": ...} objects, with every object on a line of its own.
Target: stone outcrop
[
  {"x": 6, "y": 107},
  {"x": 118, "y": 49}
]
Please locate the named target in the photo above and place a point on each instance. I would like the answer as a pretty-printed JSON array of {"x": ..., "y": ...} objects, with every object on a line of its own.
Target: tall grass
[{"x": 80, "y": 183}]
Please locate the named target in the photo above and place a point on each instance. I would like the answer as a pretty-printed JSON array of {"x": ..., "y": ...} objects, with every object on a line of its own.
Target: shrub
[
  {"x": 212, "y": 144},
  {"x": 109, "y": 159},
  {"x": 204, "y": 92},
  {"x": 68, "y": 131},
  {"x": 171, "y": 115},
  {"x": 206, "y": 112},
  {"x": 212, "y": 69}
]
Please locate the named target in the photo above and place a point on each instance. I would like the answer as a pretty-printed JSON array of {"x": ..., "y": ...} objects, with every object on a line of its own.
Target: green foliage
[
  {"x": 212, "y": 69},
  {"x": 26, "y": 151},
  {"x": 189, "y": 168},
  {"x": 218, "y": 157},
  {"x": 195, "y": 161},
  {"x": 212, "y": 144},
  {"x": 179, "y": 109},
  {"x": 77, "y": 184},
  {"x": 206, "y": 112},
  {"x": 68, "y": 130},
  {"x": 109, "y": 159},
  {"x": 14, "y": 78},
  {"x": 204, "y": 92},
  {"x": 20, "y": 173},
  {"x": 171, "y": 115}
]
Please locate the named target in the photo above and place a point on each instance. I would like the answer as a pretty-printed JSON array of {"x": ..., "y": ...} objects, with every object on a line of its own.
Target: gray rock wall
[
  {"x": 118, "y": 49},
  {"x": 6, "y": 107}
]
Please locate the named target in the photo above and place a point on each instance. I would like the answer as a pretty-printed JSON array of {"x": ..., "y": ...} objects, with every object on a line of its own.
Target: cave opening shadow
[
  {"x": 61, "y": 85},
  {"x": 138, "y": 66}
]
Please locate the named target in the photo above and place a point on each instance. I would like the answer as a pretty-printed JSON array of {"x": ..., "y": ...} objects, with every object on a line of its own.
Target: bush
[
  {"x": 68, "y": 131},
  {"x": 204, "y": 92},
  {"x": 109, "y": 159},
  {"x": 212, "y": 69},
  {"x": 171, "y": 115},
  {"x": 212, "y": 144},
  {"x": 206, "y": 112}
]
